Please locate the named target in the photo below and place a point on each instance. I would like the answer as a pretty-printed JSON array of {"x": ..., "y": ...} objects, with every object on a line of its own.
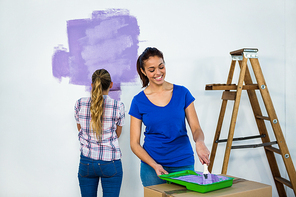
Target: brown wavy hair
[
  {"x": 101, "y": 80},
  {"x": 148, "y": 52}
]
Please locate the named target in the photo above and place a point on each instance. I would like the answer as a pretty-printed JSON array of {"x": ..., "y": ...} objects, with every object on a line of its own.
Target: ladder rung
[
  {"x": 242, "y": 138},
  {"x": 283, "y": 181},
  {"x": 253, "y": 145},
  {"x": 263, "y": 117},
  {"x": 230, "y": 87},
  {"x": 276, "y": 150}
]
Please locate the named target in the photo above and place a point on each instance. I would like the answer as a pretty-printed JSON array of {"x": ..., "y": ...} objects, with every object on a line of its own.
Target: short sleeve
[
  {"x": 76, "y": 110},
  {"x": 188, "y": 98},
  {"x": 134, "y": 109},
  {"x": 121, "y": 118}
]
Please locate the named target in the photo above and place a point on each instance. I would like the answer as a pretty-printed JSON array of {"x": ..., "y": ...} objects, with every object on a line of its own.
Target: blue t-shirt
[{"x": 166, "y": 139}]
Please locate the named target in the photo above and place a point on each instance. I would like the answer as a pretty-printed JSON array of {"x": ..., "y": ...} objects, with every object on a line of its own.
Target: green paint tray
[{"x": 195, "y": 186}]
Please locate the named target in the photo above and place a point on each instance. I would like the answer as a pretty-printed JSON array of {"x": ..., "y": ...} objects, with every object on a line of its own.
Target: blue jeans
[
  {"x": 149, "y": 176},
  {"x": 91, "y": 171}
]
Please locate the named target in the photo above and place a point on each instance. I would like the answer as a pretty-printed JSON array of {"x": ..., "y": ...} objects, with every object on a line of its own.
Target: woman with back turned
[
  {"x": 99, "y": 121},
  {"x": 163, "y": 108}
]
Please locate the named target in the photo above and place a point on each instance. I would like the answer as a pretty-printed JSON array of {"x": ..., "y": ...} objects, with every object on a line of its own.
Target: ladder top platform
[{"x": 241, "y": 51}]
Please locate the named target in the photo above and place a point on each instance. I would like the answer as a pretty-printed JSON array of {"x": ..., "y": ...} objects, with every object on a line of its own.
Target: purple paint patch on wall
[{"x": 108, "y": 40}]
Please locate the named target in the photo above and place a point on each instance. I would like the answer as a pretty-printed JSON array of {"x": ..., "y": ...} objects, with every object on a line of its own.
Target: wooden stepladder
[{"x": 233, "y": 92}]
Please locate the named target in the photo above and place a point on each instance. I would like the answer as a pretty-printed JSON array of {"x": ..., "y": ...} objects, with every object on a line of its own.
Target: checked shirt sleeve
[
  {"x": 121, "y": 117},
  {"x": 76, "y": 110}
]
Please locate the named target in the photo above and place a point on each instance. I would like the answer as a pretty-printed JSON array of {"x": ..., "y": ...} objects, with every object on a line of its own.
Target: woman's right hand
[
  {"x": 202, "y": 152},
  {"x": 159, "y": 170}
]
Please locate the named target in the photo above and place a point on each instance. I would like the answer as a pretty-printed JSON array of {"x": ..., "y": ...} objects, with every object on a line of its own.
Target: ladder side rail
[
  {"x": 256, "y": 107},
  {"x": 234, "y": 115},
  {"x": 217, "y": 134},
  {"x": 220, "y": 120},
  {"x": 274, "y": 123},
  {"x": 263, "y": 131}
]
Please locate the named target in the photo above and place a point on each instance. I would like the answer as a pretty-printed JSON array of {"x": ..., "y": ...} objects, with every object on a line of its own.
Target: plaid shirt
[{"x": 113, "y": 115}]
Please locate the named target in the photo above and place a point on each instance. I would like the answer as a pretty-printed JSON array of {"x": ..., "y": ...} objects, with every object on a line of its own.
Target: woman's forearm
[
  {"x": 138, "y": 150},
  {"x": 141, "y": 153},
  {"x": 145, "y": 157}
]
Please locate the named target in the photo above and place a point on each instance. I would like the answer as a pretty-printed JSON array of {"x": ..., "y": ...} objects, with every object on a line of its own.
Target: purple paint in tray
[
  {"x": 195, "y": 181},
  {"x": 199, "y": 179}
]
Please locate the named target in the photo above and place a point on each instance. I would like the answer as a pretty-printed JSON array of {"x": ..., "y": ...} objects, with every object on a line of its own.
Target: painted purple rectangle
[{"x": 108, "y": 40}]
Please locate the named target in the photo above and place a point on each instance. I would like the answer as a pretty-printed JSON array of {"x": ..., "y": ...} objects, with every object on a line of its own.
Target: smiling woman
[{"x": 163, "y": 107}]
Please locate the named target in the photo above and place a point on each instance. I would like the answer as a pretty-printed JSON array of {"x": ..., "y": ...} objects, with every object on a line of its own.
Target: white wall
[{"x": 39, "y": 146}]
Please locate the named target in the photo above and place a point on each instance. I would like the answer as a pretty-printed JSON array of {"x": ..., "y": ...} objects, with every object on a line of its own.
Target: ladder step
[
  {"x": 230, "y": 87},
  {"x": 227, "y": 95},
  {"x": 263, "y": 117},
  {"x": 284, "y": 181},
  {"x": 276, "y": 150},
  {"x": 253, "y": 145},
  {"x": 242, "y": 138}
]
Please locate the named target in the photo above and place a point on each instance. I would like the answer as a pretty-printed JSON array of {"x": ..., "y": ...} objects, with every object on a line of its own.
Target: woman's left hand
[{"x": 202, "y": 152}]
